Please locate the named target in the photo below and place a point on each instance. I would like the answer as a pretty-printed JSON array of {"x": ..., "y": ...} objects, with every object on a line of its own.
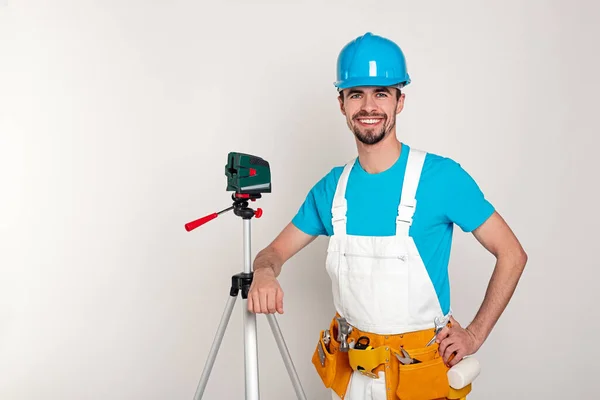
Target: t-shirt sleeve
[
  {"x": 307, "y": 219},
  {"x": 465, "y": 205}
]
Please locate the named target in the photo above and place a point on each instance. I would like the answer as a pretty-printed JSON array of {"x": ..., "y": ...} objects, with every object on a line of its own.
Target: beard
[{"x": 370, "y": 136}]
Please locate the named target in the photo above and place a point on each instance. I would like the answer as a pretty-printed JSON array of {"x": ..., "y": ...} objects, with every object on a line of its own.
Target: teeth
[{"x": 369, "y": 121}]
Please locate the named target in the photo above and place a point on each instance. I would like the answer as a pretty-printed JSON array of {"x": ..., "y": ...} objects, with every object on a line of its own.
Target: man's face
[{"x": 371, "y": 111}]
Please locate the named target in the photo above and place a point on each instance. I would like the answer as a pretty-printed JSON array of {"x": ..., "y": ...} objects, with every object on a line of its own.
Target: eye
[
  {"x": 381, "y": 94},
  {"x": 354, "y": 96}
]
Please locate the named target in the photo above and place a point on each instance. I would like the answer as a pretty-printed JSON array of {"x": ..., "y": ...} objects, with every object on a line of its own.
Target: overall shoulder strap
[
  {"x": 339, "y": 205},
  {"x": 408, "y": 201}
]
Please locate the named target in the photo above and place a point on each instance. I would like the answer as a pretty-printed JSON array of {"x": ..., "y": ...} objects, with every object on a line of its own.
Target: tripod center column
[{"x": 247, "y": 246}]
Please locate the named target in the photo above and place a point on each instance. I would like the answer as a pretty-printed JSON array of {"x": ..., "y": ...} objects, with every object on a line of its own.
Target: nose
[{"x": 369, "y": 104}]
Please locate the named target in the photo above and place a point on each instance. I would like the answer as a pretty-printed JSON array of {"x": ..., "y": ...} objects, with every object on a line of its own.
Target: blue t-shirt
[{"x": 446, "y": 195}]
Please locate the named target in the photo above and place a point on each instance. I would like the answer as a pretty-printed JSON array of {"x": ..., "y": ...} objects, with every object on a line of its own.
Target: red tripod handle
[{"x": 194, "y": 224}]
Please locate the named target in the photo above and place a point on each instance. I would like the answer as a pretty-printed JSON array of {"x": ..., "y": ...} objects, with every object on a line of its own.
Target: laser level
[{"x": 247, "y": 174}]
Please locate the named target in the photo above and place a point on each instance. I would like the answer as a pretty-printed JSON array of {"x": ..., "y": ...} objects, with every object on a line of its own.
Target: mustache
[{"x": 363, "y": 114}]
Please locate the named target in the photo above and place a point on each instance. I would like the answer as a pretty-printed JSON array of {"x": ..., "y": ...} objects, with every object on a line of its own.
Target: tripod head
[{"x": 248, "y": 176}]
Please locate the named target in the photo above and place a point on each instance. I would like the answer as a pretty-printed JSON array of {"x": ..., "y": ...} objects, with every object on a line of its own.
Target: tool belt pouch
[
  {"x": 426, "y": 380},
  {"x": 366, "y": 360},
  {"x": 324, "y": 360}
]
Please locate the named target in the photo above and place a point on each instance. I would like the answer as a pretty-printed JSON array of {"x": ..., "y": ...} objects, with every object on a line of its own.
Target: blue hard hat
[{"x": 371, "y": 60}]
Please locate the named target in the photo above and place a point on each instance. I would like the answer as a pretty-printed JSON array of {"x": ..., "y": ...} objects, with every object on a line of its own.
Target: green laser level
[{"x": 247, "y": 174}]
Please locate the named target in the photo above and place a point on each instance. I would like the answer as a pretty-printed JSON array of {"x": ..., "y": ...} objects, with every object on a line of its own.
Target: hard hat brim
[{"x": 371, "y": 81}]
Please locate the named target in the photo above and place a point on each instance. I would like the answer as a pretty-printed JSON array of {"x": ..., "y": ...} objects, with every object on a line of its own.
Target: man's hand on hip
[
  {"x": 456, "y": 341},
  {"x": 265, "y": 295}
]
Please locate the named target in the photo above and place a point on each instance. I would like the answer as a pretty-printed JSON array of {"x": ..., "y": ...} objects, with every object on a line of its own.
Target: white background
[{"x": 116, "y": 118}]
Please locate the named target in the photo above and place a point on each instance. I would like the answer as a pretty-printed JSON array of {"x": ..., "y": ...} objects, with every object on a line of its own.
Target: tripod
[{"x": 241, "y": 282}]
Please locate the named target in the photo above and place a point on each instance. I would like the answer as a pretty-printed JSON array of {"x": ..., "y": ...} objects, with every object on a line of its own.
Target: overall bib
[{"x": 383, "y": 290}]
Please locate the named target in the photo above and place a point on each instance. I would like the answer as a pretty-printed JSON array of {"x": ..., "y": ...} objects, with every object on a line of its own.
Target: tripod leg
[
  {"x": 250, "y": 354},
  {"x": 287, "y": 359},
  {"x": 212, "y": 355}
]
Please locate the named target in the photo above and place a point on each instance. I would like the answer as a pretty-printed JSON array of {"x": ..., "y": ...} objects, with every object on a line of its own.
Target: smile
[{"x": 369, "y": 121}]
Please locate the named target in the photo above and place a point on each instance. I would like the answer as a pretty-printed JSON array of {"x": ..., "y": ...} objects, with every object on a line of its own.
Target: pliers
[
  {"x": 406, "y": 359},
  {"x": 326, "y": 338}
]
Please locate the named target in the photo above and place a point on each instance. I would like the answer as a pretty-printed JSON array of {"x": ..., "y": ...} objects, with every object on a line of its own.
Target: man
[{"x": 390, "y": 214}]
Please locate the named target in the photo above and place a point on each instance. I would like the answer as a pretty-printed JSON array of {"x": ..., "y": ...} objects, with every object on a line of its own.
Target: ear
[
  {"x": 341, "y": 101},
  {"x": 400, "y": 104}
]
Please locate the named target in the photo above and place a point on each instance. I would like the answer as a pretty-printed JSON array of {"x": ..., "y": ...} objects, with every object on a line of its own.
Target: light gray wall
[{"x": 116, "y": 118}]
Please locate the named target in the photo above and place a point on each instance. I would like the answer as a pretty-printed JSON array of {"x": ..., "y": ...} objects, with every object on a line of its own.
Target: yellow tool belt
[{"x": 426, "y": 380}]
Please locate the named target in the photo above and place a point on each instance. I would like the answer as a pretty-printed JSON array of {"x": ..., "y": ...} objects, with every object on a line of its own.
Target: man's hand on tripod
[{"x": 265, "y": 295}]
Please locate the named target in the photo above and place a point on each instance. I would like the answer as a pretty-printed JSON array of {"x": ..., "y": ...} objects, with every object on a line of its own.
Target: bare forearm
[
  {"x": 290, "y": 241},
  {"x": 268, "y": 259},
  {"x": 501, "y": 287}
]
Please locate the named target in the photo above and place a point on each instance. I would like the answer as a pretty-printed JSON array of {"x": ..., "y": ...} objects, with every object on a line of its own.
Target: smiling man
[
  {"x": 370, "y": 123},
  {"x": 389, "y": 214}
]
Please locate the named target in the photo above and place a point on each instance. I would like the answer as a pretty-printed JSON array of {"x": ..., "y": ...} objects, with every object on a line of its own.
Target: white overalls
[{"x": 380, "y": 284}]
